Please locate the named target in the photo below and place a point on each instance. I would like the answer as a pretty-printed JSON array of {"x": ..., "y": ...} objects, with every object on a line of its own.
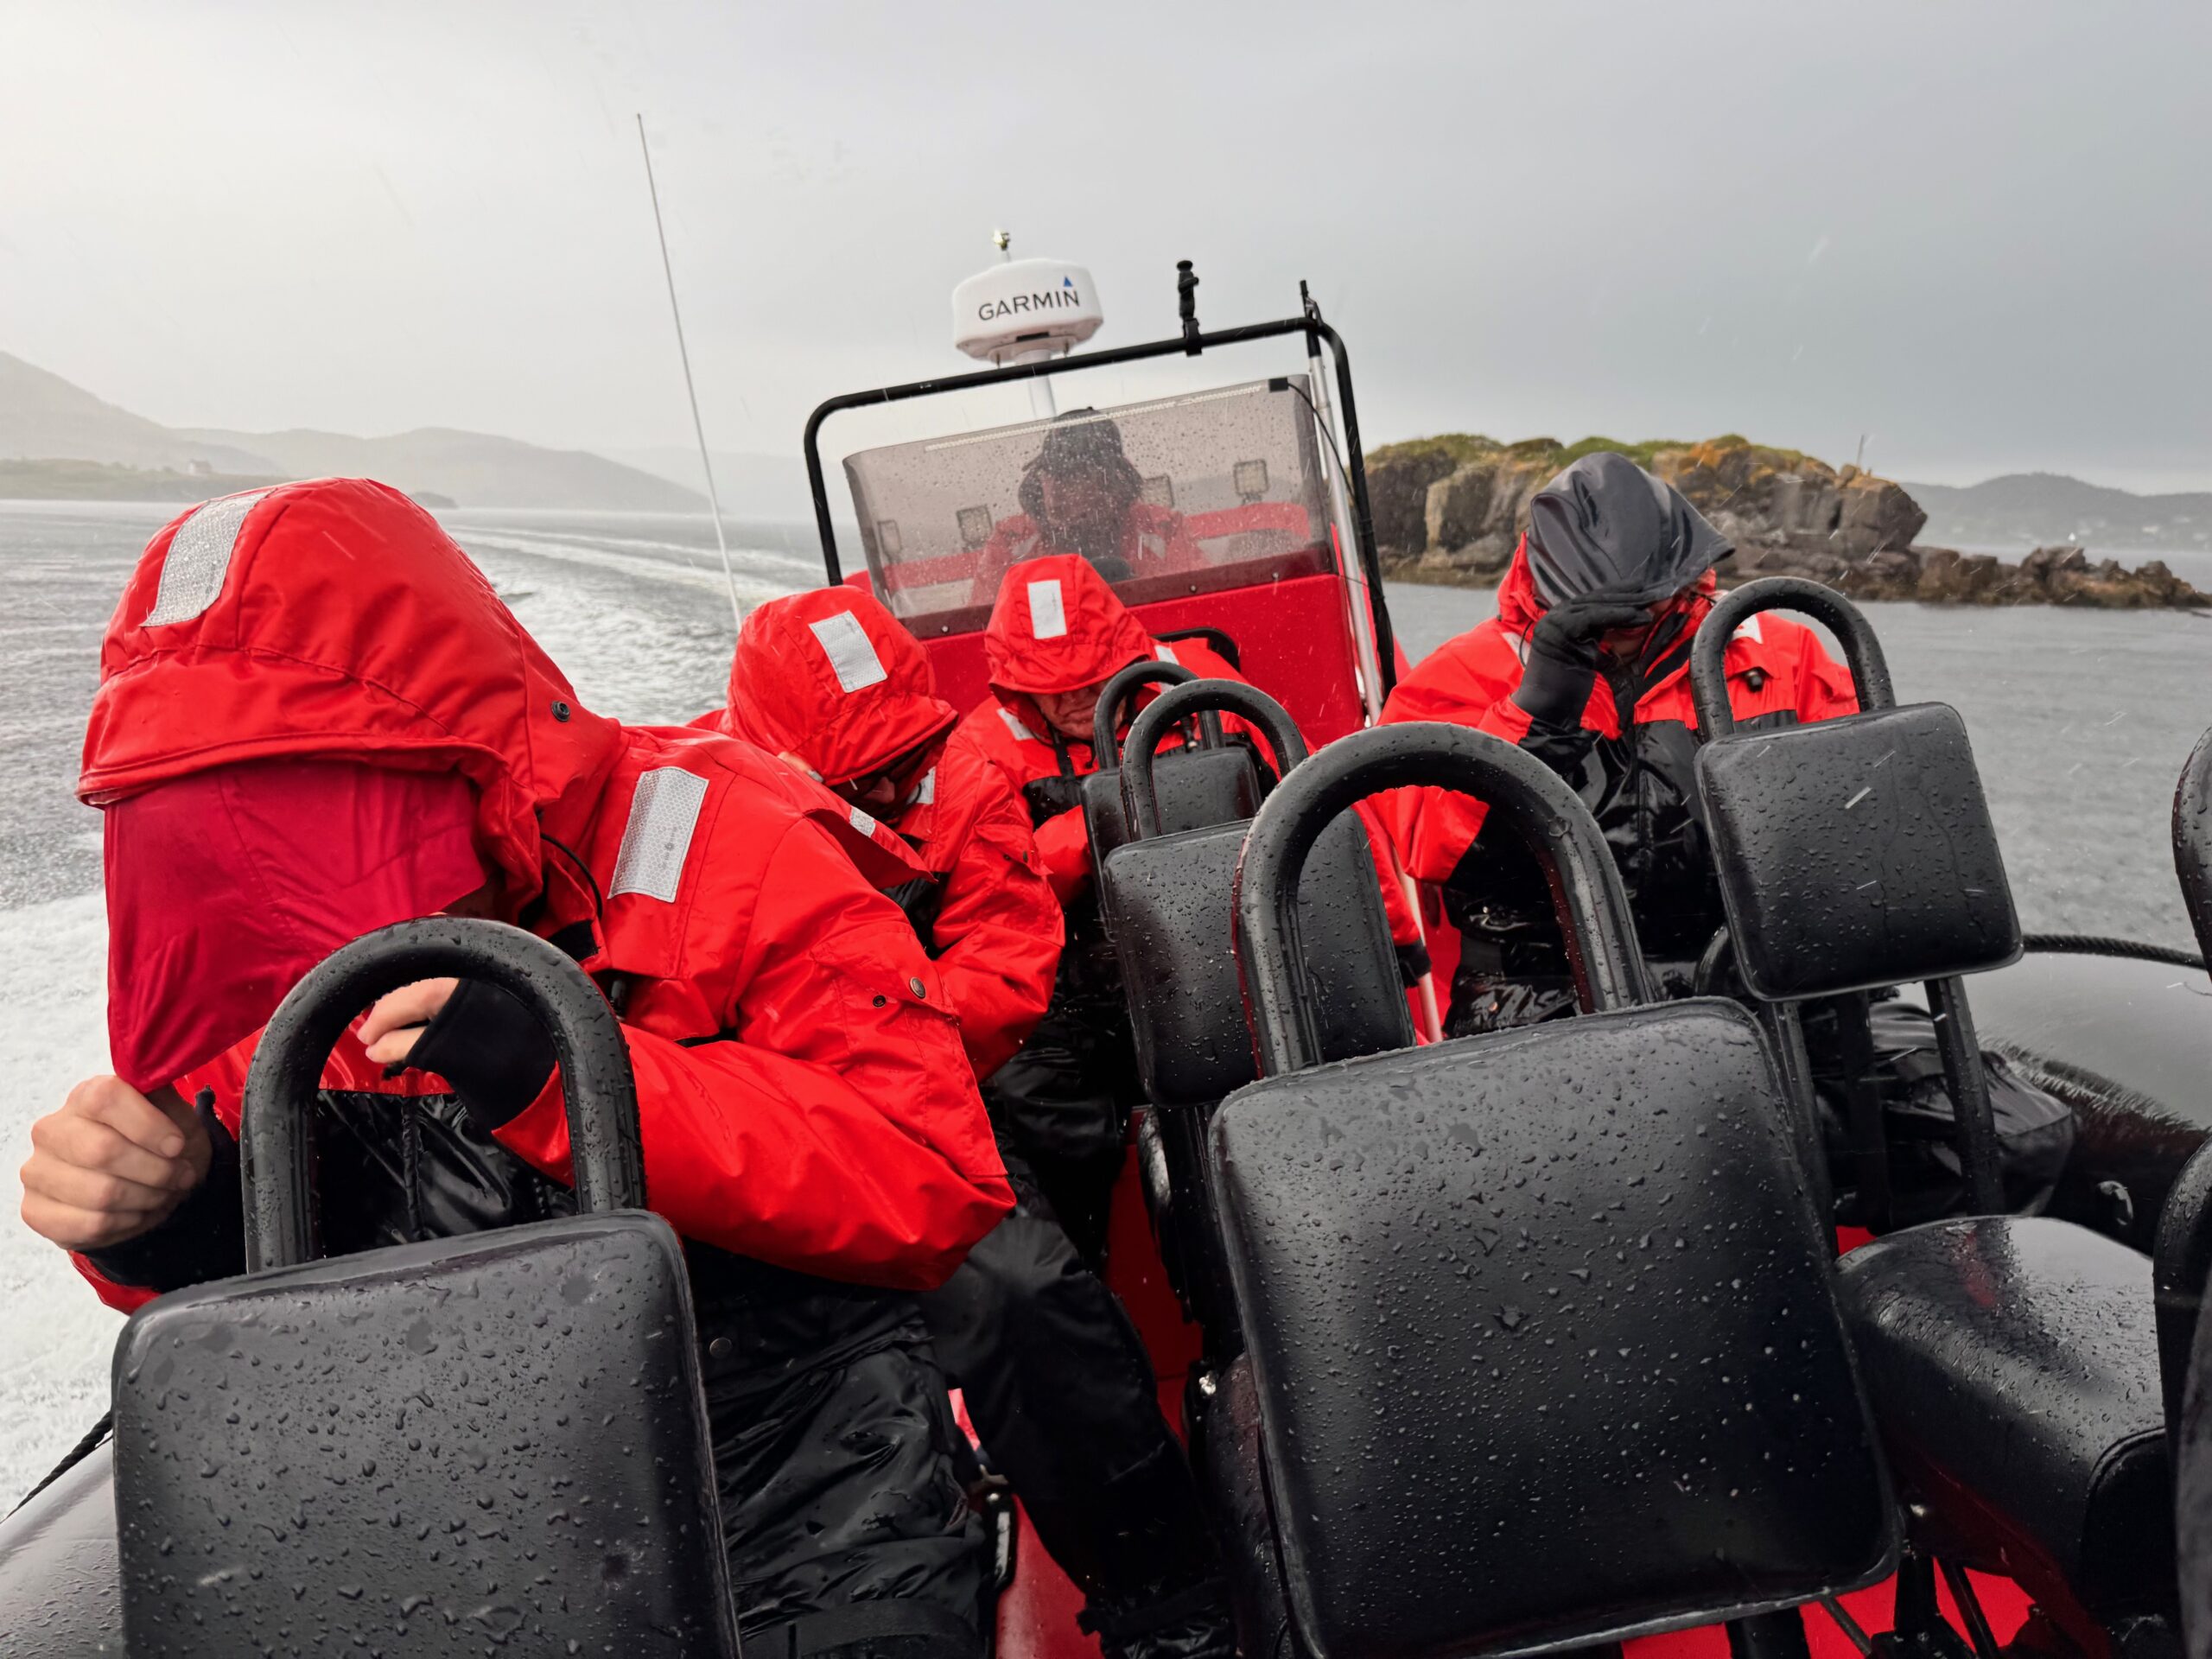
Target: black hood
[{"x": 1606, "y": 526}]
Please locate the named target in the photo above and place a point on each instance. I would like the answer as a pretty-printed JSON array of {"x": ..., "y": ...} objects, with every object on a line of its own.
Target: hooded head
[
  {"x": 1058, "y": 626},
  {"x": 1081, "y": 484},
  {"x": 1605, "y": 527},
  {"x": 276, "y": 657},
  {"x": 833, "y": 677}
]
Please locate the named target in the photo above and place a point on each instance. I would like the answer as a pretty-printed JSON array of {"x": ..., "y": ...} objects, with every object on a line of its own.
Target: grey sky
[{"x": 1979, "y": 233}]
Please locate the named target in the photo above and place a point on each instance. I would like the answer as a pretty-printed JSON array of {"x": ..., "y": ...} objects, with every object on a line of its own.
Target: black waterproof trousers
[{"x": 1060, "y": 1388}]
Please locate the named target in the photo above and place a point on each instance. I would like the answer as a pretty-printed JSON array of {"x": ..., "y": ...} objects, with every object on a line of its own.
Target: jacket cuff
[
  {"x": 203, "y": 1238},
  {"x": 491, "y": 1048}
]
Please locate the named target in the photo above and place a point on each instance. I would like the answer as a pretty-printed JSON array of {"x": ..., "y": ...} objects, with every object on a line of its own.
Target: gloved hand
[{"x": 1562, "y": 666}]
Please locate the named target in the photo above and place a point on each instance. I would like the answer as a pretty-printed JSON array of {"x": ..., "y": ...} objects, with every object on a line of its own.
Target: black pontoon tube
[
  {"x": 1205, "y": 698},
  {"x": 1521, "y": 792},
  {"x": 2193, "y": 839},
  {"x": 276, "y": 1141}
]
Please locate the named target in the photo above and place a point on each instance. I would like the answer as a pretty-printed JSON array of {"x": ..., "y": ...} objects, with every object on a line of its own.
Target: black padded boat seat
[
  {"x": 1856, "y": 853},
  {"x": 1196, "y": 787},
  {"x": 1170, "y": 898},
  {"x": 1542, "y": 1341},
  {"x": 2014, "y": 1366}
]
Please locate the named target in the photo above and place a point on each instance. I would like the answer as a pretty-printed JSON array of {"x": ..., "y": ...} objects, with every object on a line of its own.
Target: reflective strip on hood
[
  {"x": 1021, "y": 733},
  {"x": 199, "y": 558},
  {"x": 860, "y": 821},
  {"x": 927, "y": 793},
  {"x": 1165, "y": 652},
  {"x": 1749, "y": 629},
  {"x": 657, "y": 840},
  {"x": 851, "y": 652},
  {"x": 1048, "y": 614}
]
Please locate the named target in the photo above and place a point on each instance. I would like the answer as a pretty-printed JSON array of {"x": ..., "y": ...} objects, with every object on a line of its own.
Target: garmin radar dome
[{"x": 1025, "y": 311}]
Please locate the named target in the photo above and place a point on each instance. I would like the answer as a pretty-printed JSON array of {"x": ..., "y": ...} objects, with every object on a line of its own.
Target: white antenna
[{"x": 706, "y": 463}]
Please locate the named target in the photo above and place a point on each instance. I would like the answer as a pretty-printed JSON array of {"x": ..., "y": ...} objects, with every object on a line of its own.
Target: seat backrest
[
  {"x": 1210, "y": 782},
  {"x": 440, "y": 1447},
  {"x": 1169, "y": 896},
  {"x": 1851, "y": 853},
  {"x": 1541, "y": 1327}
]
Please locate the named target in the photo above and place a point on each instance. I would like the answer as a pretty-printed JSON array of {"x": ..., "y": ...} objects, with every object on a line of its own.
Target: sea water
[{"x": 2081, "y": 720}]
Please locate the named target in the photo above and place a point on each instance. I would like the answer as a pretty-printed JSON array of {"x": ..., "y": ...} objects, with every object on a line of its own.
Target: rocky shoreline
[{"x": 1450, "y": 511}]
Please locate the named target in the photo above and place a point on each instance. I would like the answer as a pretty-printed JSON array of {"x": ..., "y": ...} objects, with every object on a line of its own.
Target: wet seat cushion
[
  {"x": 1171, "y": 899},
  {"x": 431, "y": 1448},
  {"x": 2014, "y": 1366},
  {"x": 1542, "y": 1339},
  {"x": 1856, "y": 853}
]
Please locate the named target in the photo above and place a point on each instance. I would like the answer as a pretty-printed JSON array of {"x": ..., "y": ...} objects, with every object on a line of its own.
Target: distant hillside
[
  {"x": 45, "y": 418},
  {"x": 753, "y": 485},
  {"x": 2038, "y": 509},
  {"x": 475, "y": 469}
]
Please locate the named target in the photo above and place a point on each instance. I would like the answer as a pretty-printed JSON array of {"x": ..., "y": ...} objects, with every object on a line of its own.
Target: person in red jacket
[
  {"x": 315, "y": 717},
  {"x": 1056, "y": 1379},
  {"x": 1057, "y": 634},
  {"x": 1080, "y": 493},
  {"x": 1586, "y": 665},
  {"x": 831, "y": 682}
]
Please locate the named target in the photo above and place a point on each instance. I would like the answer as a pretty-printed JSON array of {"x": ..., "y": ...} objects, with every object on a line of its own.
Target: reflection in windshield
[{"x": 1219, "y": 489}]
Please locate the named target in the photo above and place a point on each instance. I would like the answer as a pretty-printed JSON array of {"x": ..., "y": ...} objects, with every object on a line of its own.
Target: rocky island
[{"x": 1450, "y": 510}]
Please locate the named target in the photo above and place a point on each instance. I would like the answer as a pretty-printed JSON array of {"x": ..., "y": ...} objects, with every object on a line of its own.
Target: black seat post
[{"x": 1974, "y": 1126}]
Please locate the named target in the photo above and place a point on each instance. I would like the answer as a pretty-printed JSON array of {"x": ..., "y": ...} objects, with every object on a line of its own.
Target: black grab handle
[
  {"x": 1204, "y": 698},
  {"x": 1520, "y": 790},
  {"x": 277, "y": 1146},
  {"x": 1113, "y": 702},
  {"x": 1870, "y": 670},
  {"x": 2193, "y": 841}
]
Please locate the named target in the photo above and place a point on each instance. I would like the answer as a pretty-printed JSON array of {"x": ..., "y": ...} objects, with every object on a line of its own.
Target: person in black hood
[{"x": 1586, "y": 666}]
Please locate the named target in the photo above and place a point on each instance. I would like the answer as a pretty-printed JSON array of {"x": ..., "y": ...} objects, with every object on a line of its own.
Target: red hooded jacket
[
  {"x": 794, "y": 1050},
  {"x": 1773, "y": 664},
  {"x": 1058, "y": 626},
  {"x": 832, "y": 677}
]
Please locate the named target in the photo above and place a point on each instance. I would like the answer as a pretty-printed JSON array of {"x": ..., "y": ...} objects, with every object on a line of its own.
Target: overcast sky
[{"x": 1979, "y": 234}]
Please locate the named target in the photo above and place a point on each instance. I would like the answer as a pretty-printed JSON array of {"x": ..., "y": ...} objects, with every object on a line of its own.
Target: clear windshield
[{"x": 1181, "y": 495}]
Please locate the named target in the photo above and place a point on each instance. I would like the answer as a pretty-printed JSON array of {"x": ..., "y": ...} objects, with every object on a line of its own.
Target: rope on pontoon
[
  {"x": 77, "y": 1454},
  {"x": 2099, "y": 944}
]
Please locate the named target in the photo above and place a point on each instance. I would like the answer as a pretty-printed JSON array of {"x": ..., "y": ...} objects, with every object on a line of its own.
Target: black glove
[
  {"x": 490, "y": 1047},
  {"x": 1562, "y": 666}
]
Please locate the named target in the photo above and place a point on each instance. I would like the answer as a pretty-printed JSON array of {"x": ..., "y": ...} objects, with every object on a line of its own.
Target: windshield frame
[{"x": 1317, "y": 334}]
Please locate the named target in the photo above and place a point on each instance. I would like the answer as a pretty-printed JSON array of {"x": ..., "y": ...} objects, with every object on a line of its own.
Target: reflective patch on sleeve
[
  {"x": 663, "y": 813},
  {"x": 1021, "y": 733},
  {"x": 1048, "y": 614},
  {"x": 1165, "y": 652},
  {"x": 851, "y": 652},
  {"x": 199, "y": 558},
  {"x": 862, "y": 821}
]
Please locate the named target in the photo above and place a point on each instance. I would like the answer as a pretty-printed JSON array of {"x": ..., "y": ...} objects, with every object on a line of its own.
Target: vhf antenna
[{"x": 706, "y": 463}]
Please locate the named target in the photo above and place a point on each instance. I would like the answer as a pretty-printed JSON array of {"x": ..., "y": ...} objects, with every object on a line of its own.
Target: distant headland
[{"x": 1451, "y": 509}]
